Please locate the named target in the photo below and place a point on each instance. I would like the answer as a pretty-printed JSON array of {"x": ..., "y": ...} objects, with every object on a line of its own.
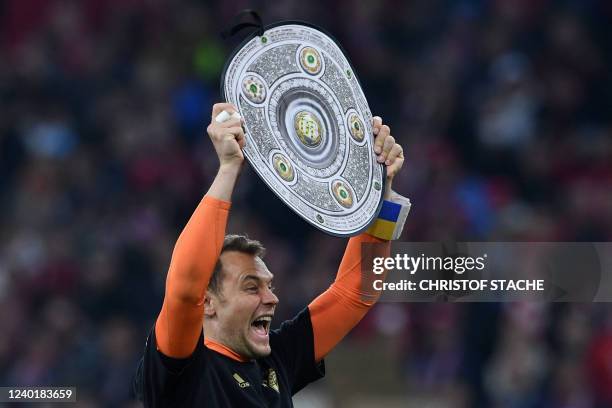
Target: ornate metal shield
[{"x": 308, "y": 126}]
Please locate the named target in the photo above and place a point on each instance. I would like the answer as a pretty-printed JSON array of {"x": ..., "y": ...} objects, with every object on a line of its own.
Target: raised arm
[
  {"x": 337, "y": 310},
  {"x": 195, "y": 254}
]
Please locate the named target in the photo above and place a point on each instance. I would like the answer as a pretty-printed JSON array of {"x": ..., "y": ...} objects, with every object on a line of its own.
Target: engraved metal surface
[{"x": 308, "y": 126}]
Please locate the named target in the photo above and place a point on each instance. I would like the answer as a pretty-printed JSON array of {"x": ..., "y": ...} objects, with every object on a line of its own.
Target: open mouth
[{"x": 261, "y": 325}]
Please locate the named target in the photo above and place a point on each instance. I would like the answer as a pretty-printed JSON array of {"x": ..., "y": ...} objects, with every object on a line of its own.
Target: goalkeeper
[{"x": 211, "y": 345}]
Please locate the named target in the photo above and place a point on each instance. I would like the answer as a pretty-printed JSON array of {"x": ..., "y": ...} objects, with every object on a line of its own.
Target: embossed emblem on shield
[{"x": 308, "y": 126}]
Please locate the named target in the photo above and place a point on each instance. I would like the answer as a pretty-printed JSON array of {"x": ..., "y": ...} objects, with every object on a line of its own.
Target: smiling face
[{"x": 240, "y": 314}]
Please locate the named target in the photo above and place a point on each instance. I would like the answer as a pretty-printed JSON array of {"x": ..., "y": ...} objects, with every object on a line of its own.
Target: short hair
[{"x": 234, "y": 242}]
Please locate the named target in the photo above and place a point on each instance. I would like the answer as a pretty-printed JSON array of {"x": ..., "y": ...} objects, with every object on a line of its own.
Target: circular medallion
[
  {"x": 310, "y": 60},
  {"x": 356, "y": 127},
  {"x": 308, "y": 128},
  {"x": 283, "y": 167},
  {"x": 342, "y": 194},
  {"x": 254, "y": 89}
]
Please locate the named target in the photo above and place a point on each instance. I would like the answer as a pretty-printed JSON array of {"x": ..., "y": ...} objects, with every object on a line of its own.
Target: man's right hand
[{"x": 227, "y": 137}]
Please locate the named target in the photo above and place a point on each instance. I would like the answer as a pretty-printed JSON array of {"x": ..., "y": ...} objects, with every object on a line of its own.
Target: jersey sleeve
[
  {"x": 293, "y": 345},
  {"x": 337, "y": 310},
  {"x": 195, "y": 254}
]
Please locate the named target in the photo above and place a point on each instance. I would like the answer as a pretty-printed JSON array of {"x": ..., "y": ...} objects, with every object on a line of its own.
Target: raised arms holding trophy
[{"x": 212, "y": 343}]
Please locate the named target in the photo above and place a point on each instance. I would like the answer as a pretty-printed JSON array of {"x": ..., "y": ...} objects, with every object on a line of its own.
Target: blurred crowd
[{"x": 504, "y": 111}]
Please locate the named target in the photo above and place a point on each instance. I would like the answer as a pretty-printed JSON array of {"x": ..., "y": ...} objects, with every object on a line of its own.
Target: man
[{"x": 232, "y": 358}]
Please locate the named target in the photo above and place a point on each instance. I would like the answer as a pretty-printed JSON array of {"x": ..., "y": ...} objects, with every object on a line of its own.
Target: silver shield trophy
[{"x": 308, "y": 126}]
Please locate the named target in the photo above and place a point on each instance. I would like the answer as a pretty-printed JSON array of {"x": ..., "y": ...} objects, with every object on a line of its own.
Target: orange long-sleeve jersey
[{"x": 333, "y": 313}]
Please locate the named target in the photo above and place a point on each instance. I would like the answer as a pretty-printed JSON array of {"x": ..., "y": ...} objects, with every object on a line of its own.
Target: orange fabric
[
  {"x": 226, "y": 351},
  {"x": 179, "y": 324},
  {"x": 195, "y": 254},
  {"x": 337, "y": 310}
]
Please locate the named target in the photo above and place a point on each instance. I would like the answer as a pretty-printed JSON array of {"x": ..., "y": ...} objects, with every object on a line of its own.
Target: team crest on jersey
[
  {"x": 271, "y": 381},
  {"x": 240, "y": 381}
]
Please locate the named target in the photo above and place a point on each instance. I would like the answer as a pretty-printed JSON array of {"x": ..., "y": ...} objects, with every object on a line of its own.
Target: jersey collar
[{"x": 226, "y": 351}]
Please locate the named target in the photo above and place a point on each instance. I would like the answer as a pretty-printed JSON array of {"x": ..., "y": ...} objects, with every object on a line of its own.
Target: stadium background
[{"x": 503, "y": 108}]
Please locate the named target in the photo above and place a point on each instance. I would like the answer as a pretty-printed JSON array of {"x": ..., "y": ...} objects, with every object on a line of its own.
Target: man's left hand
[{"x": 387, "y": 150}]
